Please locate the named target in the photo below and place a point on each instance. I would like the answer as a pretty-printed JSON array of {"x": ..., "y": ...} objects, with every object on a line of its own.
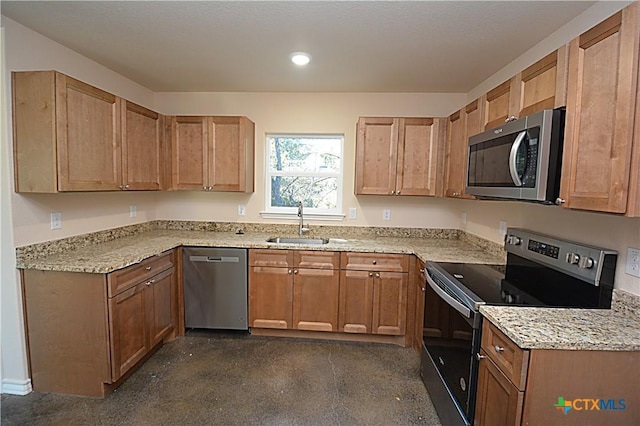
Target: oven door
[{"x": 451, "y": 338}]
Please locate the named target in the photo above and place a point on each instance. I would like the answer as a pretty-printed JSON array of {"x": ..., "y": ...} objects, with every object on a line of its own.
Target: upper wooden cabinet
[
  {"x": 543, "y": 85},
  {"x": 461, "y": 124},
  {"x": 400, "y": 156},
  {"x": 212, "y": 153},
  {"x": 601, "y": 159},
  {"x": 68, "y": 136},
  {"x": 500, "y": 104}
]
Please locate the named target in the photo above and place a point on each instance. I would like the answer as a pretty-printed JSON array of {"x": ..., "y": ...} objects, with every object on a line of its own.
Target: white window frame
[{"x": 272, "y": 212}]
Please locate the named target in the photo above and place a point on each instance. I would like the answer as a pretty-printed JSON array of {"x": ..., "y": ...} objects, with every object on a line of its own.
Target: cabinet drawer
[
  {"x": 375, "y": 262},
  {"x": 511, "y": 360},
  {"x": 271, "y": 257},
  {"x": 123, "y": 279},
  {"x": 316, "y": 259}
]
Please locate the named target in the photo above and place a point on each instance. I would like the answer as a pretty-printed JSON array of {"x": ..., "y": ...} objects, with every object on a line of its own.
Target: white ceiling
[{"x": 244, "y": 46}]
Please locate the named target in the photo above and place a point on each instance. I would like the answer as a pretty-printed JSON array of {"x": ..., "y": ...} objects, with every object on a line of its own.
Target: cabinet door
[
  {"x": 356, "y": 301},
  {"x": 543, "y": 84},
  {"x": 315, "y": 299},
  {"x": 603, "y": 73},
  {"x": 189, "y": 153},
  {"x": 498, "y": 401},
  {"x": 390, "y": 303},
  {"x": 128, "y": 327},
  {"x": 161, "y": 309},
  {"x": 420, "y": 156},
  {"x": 141, "y": 148},
  {"x": 376, "y": 155},
  {"x": 231, "y": 154},
  {"x": 270, "y": 297},
  {"x": 456, "y": 156},
  {"x": 501, "y": 103},
  {"x": 88, "y": 135}
]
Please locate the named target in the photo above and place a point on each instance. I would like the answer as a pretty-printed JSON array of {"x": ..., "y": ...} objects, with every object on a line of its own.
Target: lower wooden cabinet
[
  {"x": 293, "y": 289},
  {"x": 373, "y": 296},
  {"x": 525, "y": 386},
  {"x": 420, "y": 287},
  {"x": 86, "y": 331}
]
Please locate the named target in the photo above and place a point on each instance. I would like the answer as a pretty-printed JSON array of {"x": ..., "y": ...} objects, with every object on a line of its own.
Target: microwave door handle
[
  {"x": 447, "y": 298},
  {"x": 513, "y": 156}
]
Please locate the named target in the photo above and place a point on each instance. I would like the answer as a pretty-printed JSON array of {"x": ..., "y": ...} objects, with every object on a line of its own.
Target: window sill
[{"x": 307, "y": 216}]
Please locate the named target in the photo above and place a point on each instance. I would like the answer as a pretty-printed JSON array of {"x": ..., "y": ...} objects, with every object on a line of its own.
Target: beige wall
[{"x": 25, "y": 218}]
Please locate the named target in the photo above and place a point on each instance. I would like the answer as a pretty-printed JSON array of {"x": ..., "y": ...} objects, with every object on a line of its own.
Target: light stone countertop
[
  {"x": 530, "y": 328},
  {"x": 109, "y": 256},
  {"x": 566, "y": 329}
]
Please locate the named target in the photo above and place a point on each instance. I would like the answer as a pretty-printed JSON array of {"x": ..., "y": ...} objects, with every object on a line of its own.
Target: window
[{"x": 305, "y": 168}]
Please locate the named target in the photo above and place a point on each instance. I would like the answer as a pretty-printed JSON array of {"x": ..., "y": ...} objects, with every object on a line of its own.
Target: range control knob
[
  {"x": 586, "y": 263},
  {"x": 573, "y": 258},
  {"x": 513, "y": 240}
]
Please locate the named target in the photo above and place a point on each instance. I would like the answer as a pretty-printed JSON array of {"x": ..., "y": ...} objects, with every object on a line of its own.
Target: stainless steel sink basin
[{"x": 286, "y": 240}]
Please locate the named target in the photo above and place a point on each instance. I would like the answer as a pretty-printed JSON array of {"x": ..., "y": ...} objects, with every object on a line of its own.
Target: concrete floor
[{"x": 225, "y": 378}]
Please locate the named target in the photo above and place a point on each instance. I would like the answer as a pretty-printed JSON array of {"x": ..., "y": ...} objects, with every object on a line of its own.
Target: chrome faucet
[{"x": 301, "y": 229}]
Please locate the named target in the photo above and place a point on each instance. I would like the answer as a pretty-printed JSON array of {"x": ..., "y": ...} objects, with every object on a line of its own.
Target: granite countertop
[
  {"x": 614, "y": 329},
  {"x": 109, "y": 256}
]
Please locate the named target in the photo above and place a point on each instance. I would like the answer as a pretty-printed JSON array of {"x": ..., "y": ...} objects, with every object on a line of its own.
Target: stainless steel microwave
[{"x": 520, "y": 160}]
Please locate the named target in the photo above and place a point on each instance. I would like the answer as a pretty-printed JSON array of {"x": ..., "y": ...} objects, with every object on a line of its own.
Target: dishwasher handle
[{"x": 215, "y": 259}]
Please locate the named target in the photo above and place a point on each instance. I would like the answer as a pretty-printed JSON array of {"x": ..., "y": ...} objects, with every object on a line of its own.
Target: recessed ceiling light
[{"x": 300, "y": 58}]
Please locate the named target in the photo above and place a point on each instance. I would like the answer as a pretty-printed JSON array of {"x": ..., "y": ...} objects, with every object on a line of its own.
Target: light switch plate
[
  {"x": 133, "y": 210},
  {"x": 56, "y": 220},
  {"x": 633, "y": 262},
  {"x": 352, "y": 213},
  {"x": 463, "y": 218},
  {"x": 386, "y": 214},
  {"x": 241, "y": 210},
  {"x": 503, "y": 228}
]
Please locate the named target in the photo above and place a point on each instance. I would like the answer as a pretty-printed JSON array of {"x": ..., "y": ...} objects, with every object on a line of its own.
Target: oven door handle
[
  {"x": 513, "y": 155},
  {"x": 450, "y": 300}
]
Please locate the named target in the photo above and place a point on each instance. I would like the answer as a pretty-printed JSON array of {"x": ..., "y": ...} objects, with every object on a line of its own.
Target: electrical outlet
[
  {"x": 133, "y": 210},
  {"x": 463, "y": 218},
  {"x": 503, "y": 228},
  {"x": 56, "y": 220},
  {"x": 386, "y": 214},
  {"x": 241, "y": 210},
  {"x": 352, "y": 213},
  {"x": 633, "y": 262}
]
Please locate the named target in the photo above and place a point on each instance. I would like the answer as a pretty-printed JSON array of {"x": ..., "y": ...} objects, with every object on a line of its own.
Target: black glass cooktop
[{"x": 525, "y": 283}]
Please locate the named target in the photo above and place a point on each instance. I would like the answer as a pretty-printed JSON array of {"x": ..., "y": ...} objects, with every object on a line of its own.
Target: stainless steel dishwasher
[{"x": 215, "y": 288}]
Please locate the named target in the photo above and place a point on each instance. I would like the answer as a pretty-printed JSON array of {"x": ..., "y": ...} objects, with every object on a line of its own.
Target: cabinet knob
[
  {"x": 479, "y": 357},
  {"x": 148, "y": 268},
  {"x": 498, "y": 348},
  {"x": 393, "y": 192},
  {"x": 204, "y": 187},
  {"x": 290, "y": 271},
  {"x": 295, "y": 272},
  {"x": 423, "y": 288},
  {"x": 560, "y": 201},
  {"x": 126, "y": 187},
  {"x": 377, "y": 275},
  {"x": 370, "y": 274},
  {"x": 397, "y": 192},
  {"x": 148, "y": 283},
  {"x": 375, "y": 262}
]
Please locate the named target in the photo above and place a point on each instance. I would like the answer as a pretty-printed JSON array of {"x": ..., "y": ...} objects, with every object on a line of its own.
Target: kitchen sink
[{"x": 287, "y": 240}]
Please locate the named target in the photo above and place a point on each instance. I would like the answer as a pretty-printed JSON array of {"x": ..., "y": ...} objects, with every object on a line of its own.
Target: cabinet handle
[
  {"x": 148, "y": 268},
  {"x": 204, "y": 187},
  {"x": 295, "y": 272},
  {"x": 210, "y": 188},
  {"x": 397, "y": 192},
  {"x": 126, "y": 187},
  {"x": 423, "y": 288},
  {"x": 148, "y": 283},
  {"x": 498, "y": 349},
  {"x": 120, "y": 186},
  {"x": 290, "y": 271},
  {"x": 375, "y": 262},
  {"x": 479, "y": 357},
  {"x": 377, "y": 275},
  {"x": 370, "y": 274},
  {"x": 393, "y": 192},
  {"x": 560, "y": 201}
]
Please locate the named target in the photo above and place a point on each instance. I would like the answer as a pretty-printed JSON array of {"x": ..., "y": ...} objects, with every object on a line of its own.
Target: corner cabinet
[
  {"x": 400, "y": 156},
  {"x": 68, "y": 136},
  {"x": 211, "y": 153},
  {"x": 523, "y": 386},
  {"x": 601, "y": 159},
  {"x": 86, "y": 332}
]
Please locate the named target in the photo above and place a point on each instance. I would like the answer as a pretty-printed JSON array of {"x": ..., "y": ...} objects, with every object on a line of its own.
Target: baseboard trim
[{"x": 16, "y": 387}]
